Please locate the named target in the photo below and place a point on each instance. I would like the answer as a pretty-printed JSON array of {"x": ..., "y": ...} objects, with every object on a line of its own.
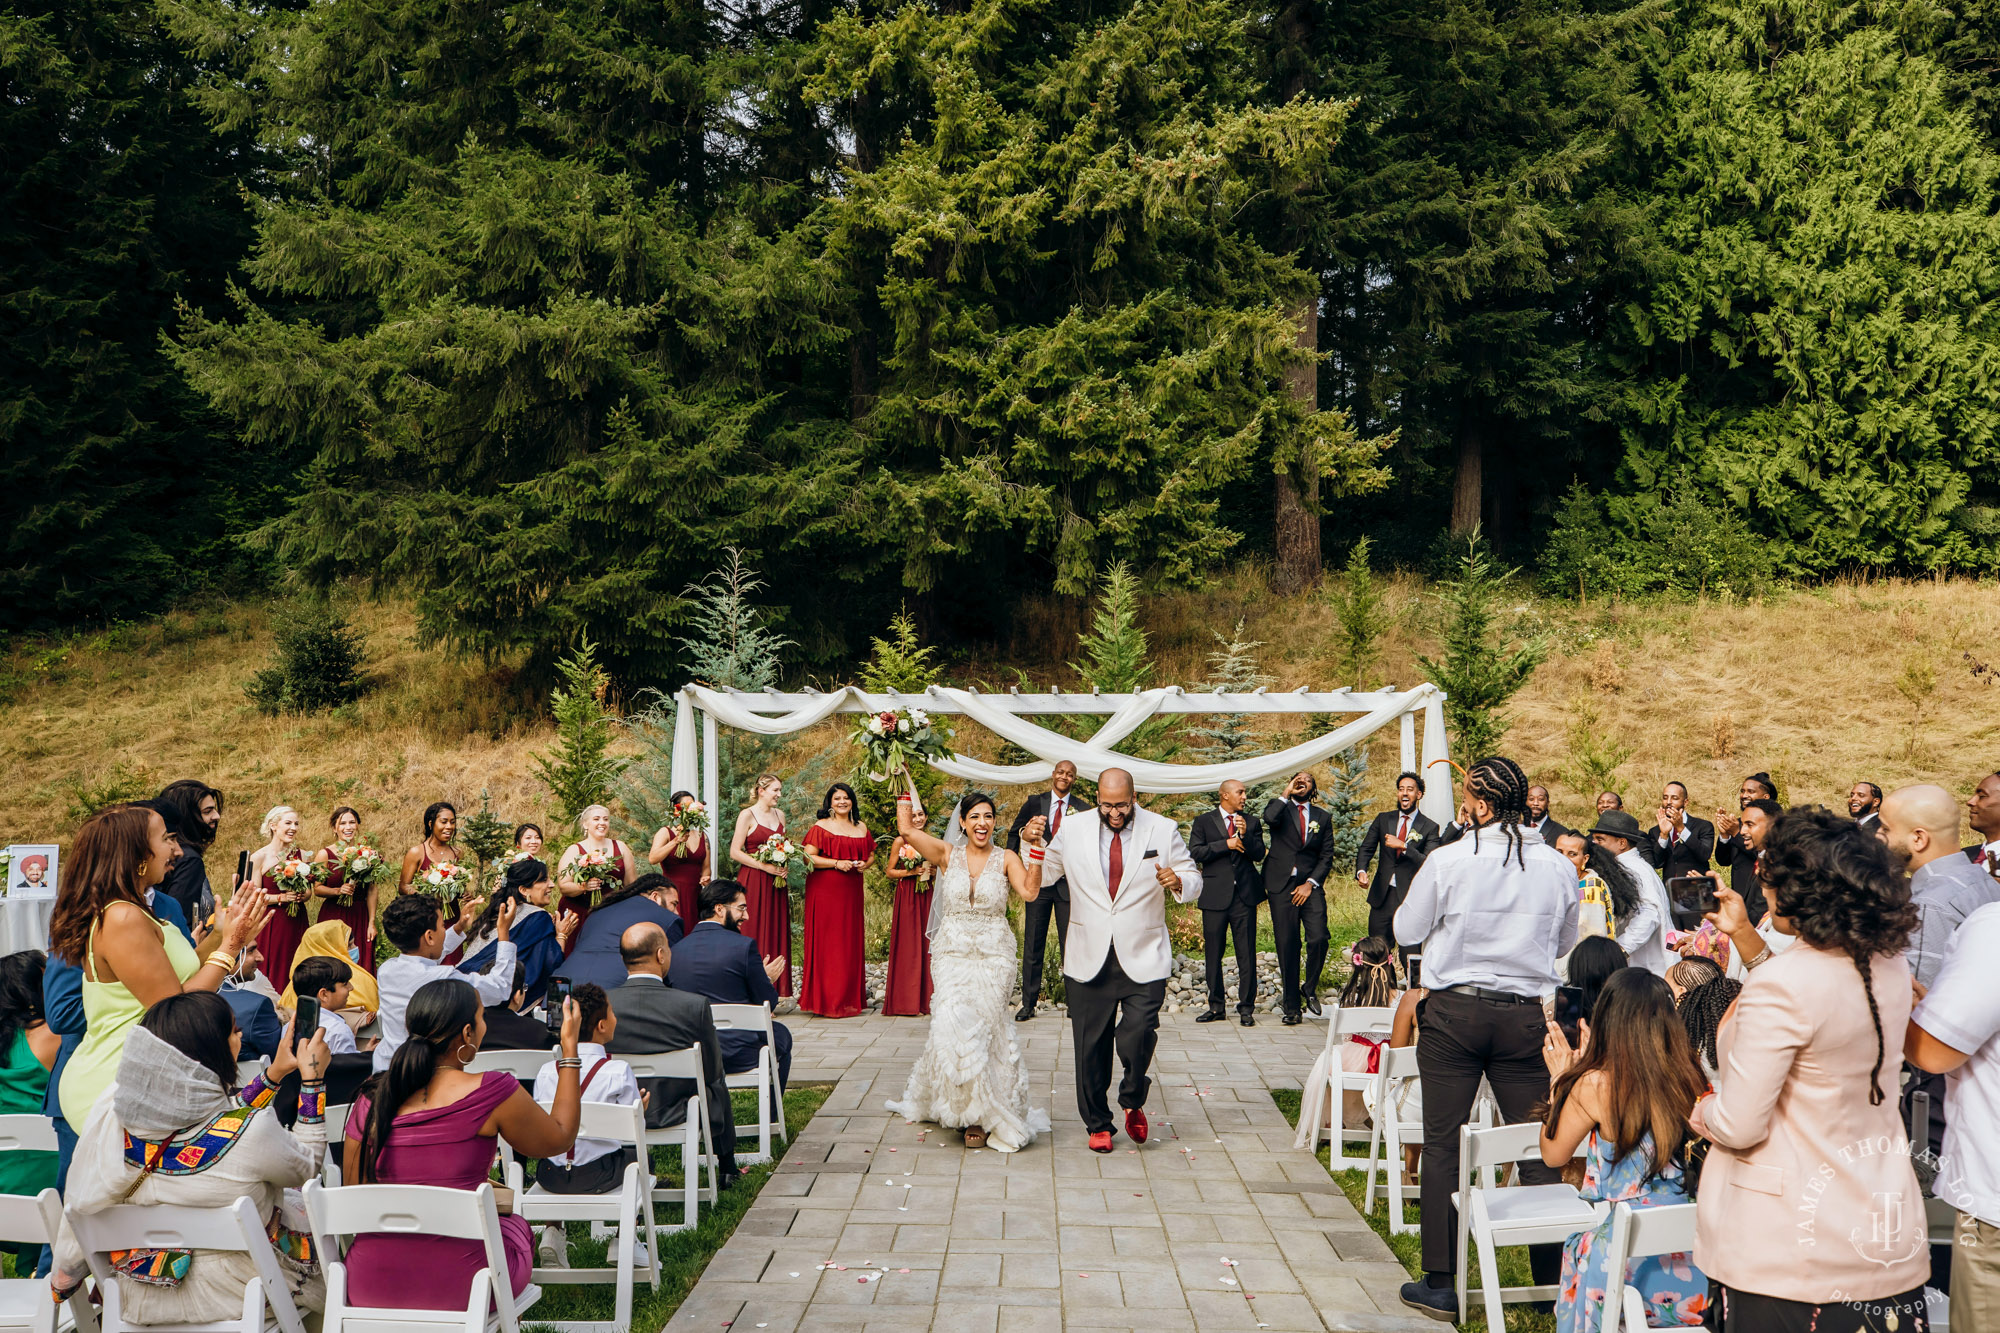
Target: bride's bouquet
[
  {"x": 297, "y": 875},
  {"x": 688, "y": 816},
  {"x": 446, "y": 880},
  {"x": 890, "y": 739},
  {"x": 603, "y": 867}
]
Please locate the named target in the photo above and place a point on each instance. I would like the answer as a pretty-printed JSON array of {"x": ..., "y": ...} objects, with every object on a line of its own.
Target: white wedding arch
[{"x": 777, "y": 713}]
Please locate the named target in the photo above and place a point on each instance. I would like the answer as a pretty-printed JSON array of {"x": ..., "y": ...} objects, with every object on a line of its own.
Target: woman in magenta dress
[
  {"x": 770, "y": 922},
  {"x": 425, "y": 1121},
  {"x": 907, "y": 989},
  {"x": 359, "y": 912},
  {"x": 576, "y": 887},
  {"x": 279, "y": 939},
  {"x": 683, "y": 859},
  {"x": 838, "y": 848}
]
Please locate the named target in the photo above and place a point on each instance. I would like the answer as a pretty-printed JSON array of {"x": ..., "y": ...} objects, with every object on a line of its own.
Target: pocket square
[{"x": 1150, "y": 854}]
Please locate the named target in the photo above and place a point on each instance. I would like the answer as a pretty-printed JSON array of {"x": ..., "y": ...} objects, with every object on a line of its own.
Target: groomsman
[
  {"x": 1404, "y": 837},
  {"x": 1538, "y": 816},
  {"x": 1050, "y": 806},
  {"x": 1680, "y": 843},
  {"x": 1227, "y": 844},
  {"x": 1300, "y": 835}
]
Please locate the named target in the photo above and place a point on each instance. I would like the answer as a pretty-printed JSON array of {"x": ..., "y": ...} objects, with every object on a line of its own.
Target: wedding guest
[
  {"x": 426, "y": 1121},
  {"x": 719, "y": 961},
  {"x": 770, "y": 919},
  {"x": 1702, "y": 1007},
  {"x": 1920, "y": 826},
  {"x": 655, "y": 1017},
  {"x": 1300, "y": 837},
  {"x": 682, "y": 856},
  {"x": 1678, "y": 843},
  {"x": 1624, "y": 1100},
  {"x": 27, "y": 1053},
  {"x": 1052, "y": 807},
  {"x": 537, "y": 940},
  {"x": 335, "y": 940},
  {"x": 1691, "y": 974},
  {"x": 1864, "y": 804},
  {"x": 1758, "y": 806},
  {"x": 1609, "y": 800},
  {"x": 342, "y": 903},
  {"x": 200, "y": 809},
  {"x": 1404, "y": 837},
  {"x": 1621, "y": 890},
  {"x": 1983, "y": 813},
  {"x": 255, "y": 1007},
  {"x": 1591, "y": 964},
  {"x": 1371, "y": 984},
  {"x": 1801, "y": 1077},
  {"x": 581, "y": 889},
  {"x": 509, "y": 1029},
  {"x": 838, "y": 847},
  {"x": 166, "y": 908},
  {"x": 594, "y": 956},
  {"x": 330, "y": 982},
  {"x": 591, "y": 1166},
  {"x": 1643, "y": 934},
  {"x": 412, "y": 924},
  {"x": 1539, "y": 818},
  {"x": 437, "y": 848},
  {"x": 287, "y": 922},
  {"x": 906, "y": 989}
]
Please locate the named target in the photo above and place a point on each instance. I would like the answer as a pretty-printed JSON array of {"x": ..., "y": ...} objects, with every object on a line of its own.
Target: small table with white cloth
[{"x": 24, "y": 923}]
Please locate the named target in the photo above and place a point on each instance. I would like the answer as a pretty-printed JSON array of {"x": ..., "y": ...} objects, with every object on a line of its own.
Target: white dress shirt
[
  {"x": 1481, "y": 923},
  {"x": 339, "y": 1036},
  {"x": 1644, "y": 937},
  {"x": 402, "y": 976},
  {"x": 613, "y": 1083}
]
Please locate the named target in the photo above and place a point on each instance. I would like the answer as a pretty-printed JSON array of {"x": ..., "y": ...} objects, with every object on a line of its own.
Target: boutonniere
[
  {"x": 1312, "y": 827},
  {"x": 1415, "y": 836}
]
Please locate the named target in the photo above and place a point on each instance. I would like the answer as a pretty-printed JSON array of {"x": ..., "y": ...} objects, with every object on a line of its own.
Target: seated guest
[
  {"x": 1371, "y": 984},
  {"x": 649, "y": 898},
  {"x": 1642, "y": 935},
  {"x": 592, "y": 1166},
  {"x": 27, "y": 1053},
  {"x": 1593, "y": 962},
  {"x": 1691, "y": 974},
  {"x": 1701, "y": 1008},
  {"x": 412, "y": 925},
  {"x": 509, "y": 1027},
  {"x": 425, "y": 1121},
  {"x": 329, "y": 981},
  {"x": 1625, "y": 1101},
  {"x": 655, "y": 1019},
  {"x": 717, "y": 961},
  {"x": 332, "y": 938},
  {"x": 256, "y": 1015},
  {"x": 174, "y": 1131},
  {"x": 537, "y": 940}
]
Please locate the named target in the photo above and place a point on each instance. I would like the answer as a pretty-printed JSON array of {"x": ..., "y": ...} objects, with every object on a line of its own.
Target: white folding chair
[
  {"x": 695, "y": 1135},
  {"x": 414, "y": 1210},
  {"x": 523, "y": 1065},
  {"x": 25, "y": 1306},
  {"x": 1640, "y": 1233},
  {"x": 1390, "y": 1133},
  {"x": 764, "y": 1078},
  {"x": 1342, "y": 1026},
  {"x": 1491, "y": 1217},
  {"x": 631, "y": 1203},
  {"x": 336, "y": 1142},
  {"x": 267, "y": 1300}
]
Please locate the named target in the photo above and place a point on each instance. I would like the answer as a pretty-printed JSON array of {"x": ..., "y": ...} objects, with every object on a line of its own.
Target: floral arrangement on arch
[{"x": 892, "y": 737}]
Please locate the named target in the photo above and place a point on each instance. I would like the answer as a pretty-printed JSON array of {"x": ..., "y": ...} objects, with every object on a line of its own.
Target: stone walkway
[{"x": 927, "y": 1236}]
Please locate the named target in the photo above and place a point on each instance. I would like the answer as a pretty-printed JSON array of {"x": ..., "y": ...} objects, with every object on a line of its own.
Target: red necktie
[
  {"x": 1055, "y": 814},
  {"x": 1403, "y": 829},
  {"x": 1302, "y": 825},
  {"x": 1117, "y": 874}
]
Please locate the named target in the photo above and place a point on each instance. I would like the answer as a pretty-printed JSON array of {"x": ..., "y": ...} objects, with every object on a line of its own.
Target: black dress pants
[
  {"x": 1286, "y": 919},
  {"x": 1216, "y": 924},
  {"x": 1113, "y": 1011},
  {"x": 1463, "y": 1037},
  {"x": 1035, "y": 938}
]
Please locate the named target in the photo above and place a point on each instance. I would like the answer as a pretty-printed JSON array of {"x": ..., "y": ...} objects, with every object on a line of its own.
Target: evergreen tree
[
  {"x": 903, "y": 663},
  {"x": 1359, "y": 612},
  {"x": 487, "y": 836},
  {"x": 1232, "y": 669},
  {"x": 579, "y": 768},
  {"x": 1116, "y": 661},
  {"x": 1478, "y": 671},
  {"x": 729, "y": 646},
  {"x": 1346, "y": 802}
]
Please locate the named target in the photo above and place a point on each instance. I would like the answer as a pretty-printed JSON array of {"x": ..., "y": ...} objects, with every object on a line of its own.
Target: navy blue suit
[
  {"x": 259, "y": 1020},
  {"x": 717, "y": 962},
  {"x": 595, "y": 958}
]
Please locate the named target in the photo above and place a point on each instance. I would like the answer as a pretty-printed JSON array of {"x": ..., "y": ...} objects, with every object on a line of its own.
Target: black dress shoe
[
  {"x": 1312, "y": 1005},
  {"x": 1212, "y": 1016},
  {"x": 1437, "y": 1302},
  {"x": 727, "y": 1179},
  {"x": 1024, "y": 1013},
  {"x": 1292, "y": 1019},
  {"x": 1249, "y": 1020}
]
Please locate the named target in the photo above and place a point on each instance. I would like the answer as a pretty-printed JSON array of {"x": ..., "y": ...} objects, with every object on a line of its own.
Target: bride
[{"x": 970, "y": 1075}]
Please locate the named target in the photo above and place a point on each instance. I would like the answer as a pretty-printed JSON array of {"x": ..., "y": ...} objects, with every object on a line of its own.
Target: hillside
[{"x": 1820, "y": 687}]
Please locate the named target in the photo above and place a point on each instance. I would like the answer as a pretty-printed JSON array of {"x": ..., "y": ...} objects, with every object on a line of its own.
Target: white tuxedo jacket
[{"x": 1134, "y": 923}]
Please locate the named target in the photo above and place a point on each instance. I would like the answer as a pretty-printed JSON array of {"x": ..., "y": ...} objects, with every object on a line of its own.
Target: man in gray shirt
[{"x": 1920, "y": 824}]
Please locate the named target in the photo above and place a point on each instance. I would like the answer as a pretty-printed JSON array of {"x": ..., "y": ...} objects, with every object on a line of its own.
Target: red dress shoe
[
  {"x": 1101, "y": 1141},
  {"x": 1135, "y": 1125}
]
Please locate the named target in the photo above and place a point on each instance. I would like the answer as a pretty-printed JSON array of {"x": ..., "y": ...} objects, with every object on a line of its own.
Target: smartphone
[
  {"x": 1416, "y": 965},
  {"x": 306, "y": 1023},
  {"x": 1569, "y": 1009},
  {"x": 1691, "y": 897},
  {"x": 242, "y": 867},
  {"x": 559, "y": 990}
]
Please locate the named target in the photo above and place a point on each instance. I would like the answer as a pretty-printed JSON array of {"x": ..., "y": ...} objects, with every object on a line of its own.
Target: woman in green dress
[{"x": 27, "y": 1053}]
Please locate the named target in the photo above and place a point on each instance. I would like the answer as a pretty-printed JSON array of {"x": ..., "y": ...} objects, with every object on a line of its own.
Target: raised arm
[
  {"x": 1773, "y": 1026},
  {"x": 934, "y": 850},
  {"x": 529, "y": 1130},
  {"x": 1025, "y": 875}
]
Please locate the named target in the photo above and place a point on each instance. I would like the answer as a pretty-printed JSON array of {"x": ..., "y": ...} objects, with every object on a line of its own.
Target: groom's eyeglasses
[{"x": 1115, "y": 807}]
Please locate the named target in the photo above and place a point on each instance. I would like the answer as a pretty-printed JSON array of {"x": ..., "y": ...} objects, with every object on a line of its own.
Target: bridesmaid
[
  {"x": 595, "y": 825},
  {"x": 683, "y": 859},
  {"x": 838, "y": 848},
  {"x": 280, "y": 937},
  {"x": 359, "y": 915},
  {"x": 440, "y": 827},
  {"x": 907, "y": 988},
  {"x": 528, "y": 842},
  {"x": 770, "y": 922}
]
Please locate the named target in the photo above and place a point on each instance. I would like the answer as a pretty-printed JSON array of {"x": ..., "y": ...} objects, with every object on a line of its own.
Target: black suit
[
  {"x": 1550, "y": 829},
  {"x": 1391, "y": 883},
  {"x": 1742, "y": 863},
  {"x": 1229, "y": 895},
  {"x": 509, "y": 1031},
  {"x": 654, "y": 1019},
  {"x": 1053, "y": 900},
  {"x": 1297, "y": 856},
  {"x": 1690, "y": 854}
]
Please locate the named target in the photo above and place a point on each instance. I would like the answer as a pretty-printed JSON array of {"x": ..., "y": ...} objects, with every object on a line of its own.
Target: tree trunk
[
  {"x": 1295, "y": 524},
  {"x": 1468, "y": 486}
]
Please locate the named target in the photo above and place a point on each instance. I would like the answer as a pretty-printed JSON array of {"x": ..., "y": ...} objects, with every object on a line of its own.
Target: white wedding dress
[{"x": 971, "y": 1072}]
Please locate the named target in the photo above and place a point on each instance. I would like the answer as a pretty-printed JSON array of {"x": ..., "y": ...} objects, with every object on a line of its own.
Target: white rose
[{"x": 902, "y": 724}]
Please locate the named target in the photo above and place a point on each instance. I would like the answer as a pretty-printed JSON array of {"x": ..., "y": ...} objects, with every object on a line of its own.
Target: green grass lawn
[{"x": 1513, "y": 1260}]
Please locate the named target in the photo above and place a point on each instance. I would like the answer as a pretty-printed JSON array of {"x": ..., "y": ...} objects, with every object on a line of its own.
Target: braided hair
[
  {"x": 1372, "y": 984},
  {"x": 1501, "y": 784},
  {"x": 1701, "y": 1011}
]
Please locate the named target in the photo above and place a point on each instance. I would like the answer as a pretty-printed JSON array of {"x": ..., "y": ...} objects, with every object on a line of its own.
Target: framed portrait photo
[{"x": 31, "y": 869}]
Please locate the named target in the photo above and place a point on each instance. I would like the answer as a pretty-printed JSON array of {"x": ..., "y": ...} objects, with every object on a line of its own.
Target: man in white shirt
[
  {"x": 1492, "y": 913},
  {"x": 1643, "y": 935},
  {"x": 412, "y": 925},
  {"x": 592, "y": 1166}
]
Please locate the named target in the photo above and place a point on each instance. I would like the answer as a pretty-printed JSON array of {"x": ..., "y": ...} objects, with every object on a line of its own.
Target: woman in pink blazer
[{"x": 1809, "y": 1215}]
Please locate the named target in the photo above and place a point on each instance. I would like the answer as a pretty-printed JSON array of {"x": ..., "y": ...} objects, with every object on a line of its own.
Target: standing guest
[
  {"x": 655, "y": 1018},
  {"x": 1624, "y": 1101},
  {"x": 341, "y": 903},
  {"x": 906, "y": 990},
  {"x": 426, "y": 1121},
  {"x": 412, "y": 925},
  {"x": 1643, "y": 934},
  {"x": 1539, "y": 818},
  {"x": 591, "y": 1166},
  {"x": 537, "y": 938},
  {"x": 581, "y": 893},
  {"x": 335, "y": 940},
  {"x": 437, "y": 848},
  {"x": 594, "y": 957},
  {"x": 129, "y": 960},
  {"x": 1227, "y": 844},
  {"x": 1621, "y": 886},
  {"x": 1492, "y": 913},
  {"x": 27, "y": 1053},
  {"x": 1404, "y": 837},
  {"x": 1678, "y": 843},
  {"x": 1052, "y": 807},
  {"x": 1983, "y": 813},
  {"x": 770, "y": 921},
  {"x": 200, "y": 810},
  {"x": 288, "y": 910},
  {"x": 682, "y": 856},
  {"x": 1920, "y": 826},
  {"x": 1300, "y": 836},
  {"x": 1864, "y": 804},
  {"x": 1739, "y": 839},
  {"x": 719, "y": 961},
  {"x": 838, "y": 847},
  {"x": 1803, "y": 1075},
  {"x": 1609, "y": 800},
  {"x": 161, "y": 905}
]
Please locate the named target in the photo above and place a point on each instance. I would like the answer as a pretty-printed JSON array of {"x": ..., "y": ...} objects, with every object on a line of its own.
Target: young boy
[
  {"x": 593, "y": 1166},
  {"x": 331, "y": 982}
]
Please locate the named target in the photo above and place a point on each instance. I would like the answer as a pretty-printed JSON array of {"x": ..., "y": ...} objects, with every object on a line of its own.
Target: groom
[{"x": 1120, "y": 861}]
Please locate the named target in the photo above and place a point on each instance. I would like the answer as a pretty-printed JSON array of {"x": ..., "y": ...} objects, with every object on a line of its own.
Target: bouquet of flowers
[
  {"x": 297, "y": 875},
  {"x": 445, "y": 879},
  {"x": 891, "y": 738},
  {"x": 688, "y": 816},
  {"x": 361, "y": 867},
  {"x": 777, "y": 851},
  {"x": 506, "y": 861},
  {"x": 909, "y": 858},
  {"x": 601, "y": 866}
]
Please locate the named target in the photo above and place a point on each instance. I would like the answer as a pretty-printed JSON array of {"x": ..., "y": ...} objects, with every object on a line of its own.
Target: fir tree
[
  {"x": 729, "y": 646},
  {"x": 579, "y": 768},
  {"x": 1346, "y": 803},
  {"x": 486, "y": 835},
  {"x": 1116, "y": 660},
  {"x": 1359, "y": 612},
  {"x": 1477, "y": 671},
  {"x": 1232, "y": 669}
]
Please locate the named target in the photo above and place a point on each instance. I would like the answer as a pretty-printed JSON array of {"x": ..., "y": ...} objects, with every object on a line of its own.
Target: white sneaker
[
  {"x": 640, "y": 1258},
  {"x": 553, "y": 1251}
]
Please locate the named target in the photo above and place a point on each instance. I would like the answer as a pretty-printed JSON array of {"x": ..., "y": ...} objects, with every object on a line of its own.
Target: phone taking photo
[
  {"x": 1691, "y": 897},
  {"x": 559, "y": 990},
  {"x": 242, "y": 867},
  {"x": 1569, "y": 1010},
  {"x": 1416, "y": 965},
  {"x": 306, "y": 1023}
]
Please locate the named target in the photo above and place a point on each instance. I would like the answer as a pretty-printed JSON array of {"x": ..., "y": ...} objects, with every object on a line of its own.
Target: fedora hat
[{"x": 1618, "y": 824}]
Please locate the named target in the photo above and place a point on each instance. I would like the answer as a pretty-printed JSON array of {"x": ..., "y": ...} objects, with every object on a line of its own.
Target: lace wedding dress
[{"x": 971, "y": 1072}]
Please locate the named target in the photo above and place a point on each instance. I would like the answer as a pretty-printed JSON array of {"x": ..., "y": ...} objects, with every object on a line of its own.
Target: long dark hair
[
  {"x": 1701, "y": 1010},
  {"x": 437, "y": 1017},
  {"x": 1618, "y": 881},
  {"x": 521, "y": 876},
  {"x": 198, "y": 1024},
  {"x": 186, "y": 796},
  {"x": 431, "y": 813},
  {"x": 1594, "y": 961},
  {"x": 1652, "y": 1079},
  {"x": 1838, "y": 886},
  {"x": 853, "y": 802},
  {"x": 1372, "y": 984},
  {"x": 103, "y": 868},
  {"x": 1501, "y": 784},
  {"x": 20, "y": 993}
]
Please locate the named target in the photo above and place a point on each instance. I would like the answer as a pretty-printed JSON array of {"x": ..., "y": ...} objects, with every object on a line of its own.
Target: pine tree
[
  {"x": 1346, "y": 801},
  {"x": 1358, "y": 610},
  {"x": 1477, "y": 671},
  {"x": 729, "y": 645},
  {"x": 486, "y": 835},
  {"x": 1116, "y": 661},
  {"x": 1232, "y": 669},
  {"x": 579, "y": 768}
]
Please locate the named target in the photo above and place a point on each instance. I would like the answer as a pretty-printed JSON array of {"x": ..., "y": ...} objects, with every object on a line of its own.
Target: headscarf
[{"x": 332, "y": 939}]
